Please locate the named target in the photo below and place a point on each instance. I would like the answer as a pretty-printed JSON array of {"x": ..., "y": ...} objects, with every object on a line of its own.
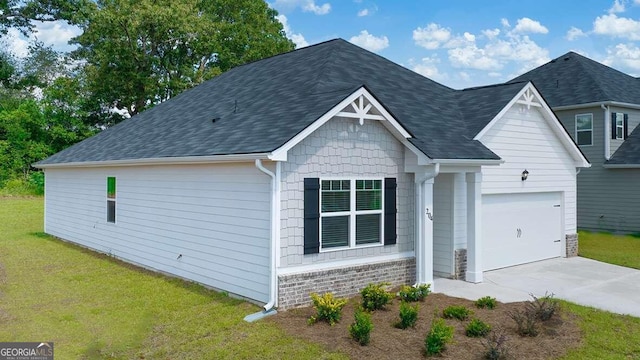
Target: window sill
[{"x": 345, "y": 248}]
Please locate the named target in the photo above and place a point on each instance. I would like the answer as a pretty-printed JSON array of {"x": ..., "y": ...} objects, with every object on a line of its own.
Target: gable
[{"x": 528, "y": 112}]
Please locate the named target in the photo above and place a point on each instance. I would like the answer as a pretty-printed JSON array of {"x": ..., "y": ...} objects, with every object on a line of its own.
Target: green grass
[
  {"x": 613, "y": 249},
  {"x": 605, "y": 335},
  {"x": 94, "y": 307}
]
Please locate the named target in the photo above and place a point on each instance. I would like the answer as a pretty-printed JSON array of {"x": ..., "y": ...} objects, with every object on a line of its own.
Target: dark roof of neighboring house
[
  {"x": 629, "y": 151},
  {"x": 573, "y": 79},
  {"x": 260, "y": 106}
]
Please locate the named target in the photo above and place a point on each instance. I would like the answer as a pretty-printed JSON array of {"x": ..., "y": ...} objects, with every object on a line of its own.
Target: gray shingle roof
[
  {"x": 573, "y": 79},
  {"x": 629, "y": 152},
  {"x": 260, "y": 106}
]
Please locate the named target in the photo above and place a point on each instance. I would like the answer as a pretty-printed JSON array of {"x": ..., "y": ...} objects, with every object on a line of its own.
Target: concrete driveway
[{"x": 579, "y": 280}]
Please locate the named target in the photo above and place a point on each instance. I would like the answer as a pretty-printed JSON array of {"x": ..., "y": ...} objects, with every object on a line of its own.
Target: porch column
[
  {"x": 427, "y": 232},
  {"x": 474, "y": 227}
]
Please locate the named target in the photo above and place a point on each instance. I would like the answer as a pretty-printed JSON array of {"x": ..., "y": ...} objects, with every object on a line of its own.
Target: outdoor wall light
[{"x": 525, "y": 175}]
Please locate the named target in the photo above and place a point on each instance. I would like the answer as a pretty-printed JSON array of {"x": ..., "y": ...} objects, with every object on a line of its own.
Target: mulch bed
[{"x": 555, "y": 337}]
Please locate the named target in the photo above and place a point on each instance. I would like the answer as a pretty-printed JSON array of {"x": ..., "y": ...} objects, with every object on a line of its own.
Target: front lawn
[
  {"x": 613, "y": 249},
  {"x": 94, "y": 307}
]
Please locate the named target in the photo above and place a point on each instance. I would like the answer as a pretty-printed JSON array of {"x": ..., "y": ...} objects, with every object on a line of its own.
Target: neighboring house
[
  {"x": 600, "y": 108},
  {"x": 323, "y": 169}
]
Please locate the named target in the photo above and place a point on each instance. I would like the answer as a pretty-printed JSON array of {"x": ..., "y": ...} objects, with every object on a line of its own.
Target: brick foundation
[
  {"x": 294, "y": 289},
  {"x": 572, "y": 245},
  {"x": 460, "y": 264}
]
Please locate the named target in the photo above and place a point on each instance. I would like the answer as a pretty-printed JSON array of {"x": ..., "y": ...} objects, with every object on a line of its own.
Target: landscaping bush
[
  {"x": 543, "y": 307},
  {"x": 477, "y": 328},
  {"x": 495, "y": 346},
  {"x": 375, "y": 297},
  {"x": 327, "y": 307},
  {"x": 36, "y": 179},
  {"x": 408, "y": 315},
  {"x": 456, "y": 312},
  {"x": 439, "y": 335},
  {"x": 19, "y": 187},
  {"x": 414, "y": 293},
  {"x": 525, "y": 320},
  {"x": 486, "y": 302},
  {"x": 361, "y": 328}
]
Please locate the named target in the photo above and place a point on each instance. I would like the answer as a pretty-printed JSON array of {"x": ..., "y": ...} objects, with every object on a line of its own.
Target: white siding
[
  {"x": 443, "y": 225},
  {"x": 215, "y": 216},
  {"x": 342, "y": 148},
  {"x": 524, "y": 139}
]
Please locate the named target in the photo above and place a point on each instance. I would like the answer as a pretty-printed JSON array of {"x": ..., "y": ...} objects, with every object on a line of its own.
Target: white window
[
  {"x": 619, "y": 126},
  {"x": 584, "y": 129},
  {"x": 351, "y": 213}
]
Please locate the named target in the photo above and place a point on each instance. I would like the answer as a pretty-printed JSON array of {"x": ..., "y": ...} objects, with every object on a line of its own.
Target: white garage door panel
[{"x": 520, "y": 228}]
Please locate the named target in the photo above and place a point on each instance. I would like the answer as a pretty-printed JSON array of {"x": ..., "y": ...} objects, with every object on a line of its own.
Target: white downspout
[
  {"x": 275, "y": 231},
  {"x": 420, "y": 219},
  {"x": 607, "y": 131}
]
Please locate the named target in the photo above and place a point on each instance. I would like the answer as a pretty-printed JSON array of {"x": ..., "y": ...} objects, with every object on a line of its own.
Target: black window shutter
[
  {"x": 626, "y": 126},
  {"x": 613, "y": 126},
  {"x": 390, "y": 211},
  {"x": 311, "y": 215}
]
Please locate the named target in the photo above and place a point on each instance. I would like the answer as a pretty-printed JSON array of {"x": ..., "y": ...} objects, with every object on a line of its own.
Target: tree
[
  {"x": 19, "y": 14},
  {"x": 141, "y": 52}
]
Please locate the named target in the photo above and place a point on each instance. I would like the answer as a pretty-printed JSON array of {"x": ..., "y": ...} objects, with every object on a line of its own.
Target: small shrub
[
  {"x": 439, "y": 335},
  {"x": 525, "y": 321},
  {"x": 36, "y": 180},
  {"x": 417, "y": 293},
  {"x": 361, "y": 328},
  {"x": 543, "y": 307},
  {"x": 456, "y": 312},
  {"x": 495, "y": 346},
  {"x": 477, "y": 328},
  {"x": 375, "y": 297},
  {"x": 18, "y": 187},
  {"x": 486, "y": 302},
  {"x": 328, "y": 308},
  {"x": 408, "y": 315}
]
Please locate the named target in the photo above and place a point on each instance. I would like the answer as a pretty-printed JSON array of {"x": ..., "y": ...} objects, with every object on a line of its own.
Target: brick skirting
[
  {"x": 294, "y": 289},
  {"x": 572, "y": 245}
]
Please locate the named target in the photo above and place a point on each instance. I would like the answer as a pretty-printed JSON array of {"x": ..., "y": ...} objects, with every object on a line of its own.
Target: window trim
[
  {"x": 112, "y": 199},
  {"x": 578, "y": 131},
  {"x": 620, "y": 126},
  {"x": 352, "y": 213}
]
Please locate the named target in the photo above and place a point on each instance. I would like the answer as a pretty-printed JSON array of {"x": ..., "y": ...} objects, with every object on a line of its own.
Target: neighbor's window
[
  {"x": 111, "y": 199},
  {"x": 351, "y": 213},
  {"x": 584, "y": 129},
  {"x": 619, "y": 125}
]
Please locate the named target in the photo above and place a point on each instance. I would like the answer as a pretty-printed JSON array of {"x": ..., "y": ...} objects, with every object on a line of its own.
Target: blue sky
[
  {"x": 459, "y": 43},
  {"x": 463, "y": 43}
]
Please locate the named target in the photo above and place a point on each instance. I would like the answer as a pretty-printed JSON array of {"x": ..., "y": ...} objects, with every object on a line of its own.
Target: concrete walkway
[{"x": 579, "y": 280}]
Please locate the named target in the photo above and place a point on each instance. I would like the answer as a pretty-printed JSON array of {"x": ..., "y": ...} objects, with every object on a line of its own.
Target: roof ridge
[
  {"x": 601, "y": 88},
  {"x": 495, "y": 85}
]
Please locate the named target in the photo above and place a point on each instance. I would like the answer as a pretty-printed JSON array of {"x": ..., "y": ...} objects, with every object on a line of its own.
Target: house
[
  {"x": 323, "y": 169},
  {"x": 600, "y": 107}
]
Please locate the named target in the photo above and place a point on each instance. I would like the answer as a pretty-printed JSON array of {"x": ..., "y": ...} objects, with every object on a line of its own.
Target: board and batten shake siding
[
  {"x": 206, "y": 223},
  {"x": 343, "y": 148}
]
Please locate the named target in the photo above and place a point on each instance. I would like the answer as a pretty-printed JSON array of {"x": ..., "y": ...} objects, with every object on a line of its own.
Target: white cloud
[
  {"x": 618, "y": 6},
  {"x": 363, "y": 12},
  {"x": 55, "y": 33},
  {"x": 297, "y": 38},
  {"x": 574, "y": 33},
  {"x": 428, "y": 67},
  {"x": 370, "y": 42},
  {"x": 305, "y": 5},
  {"x": 473, "y": 57},
  {"x": 526, "y": 25},
  {"x": 624, "y": 56},
  {"x": 615, "y": 26},
  {"x": 505, "y": 23},
  {"x": 464, "y": 76},
  {"x": 16, "y": 44},
  {"x": 492, "y": 33},
  {"x": 432, "y": 36},
  {"x": 494, "y": 74}
]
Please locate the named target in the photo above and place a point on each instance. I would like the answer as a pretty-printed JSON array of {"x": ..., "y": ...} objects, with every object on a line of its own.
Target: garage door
[{"x": 520, "y": 228}]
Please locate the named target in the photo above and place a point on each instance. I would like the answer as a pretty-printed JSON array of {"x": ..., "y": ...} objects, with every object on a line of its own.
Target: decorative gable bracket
[
  {"x": 528, "y": 99},
  {"x": 362, "y": 110}
]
